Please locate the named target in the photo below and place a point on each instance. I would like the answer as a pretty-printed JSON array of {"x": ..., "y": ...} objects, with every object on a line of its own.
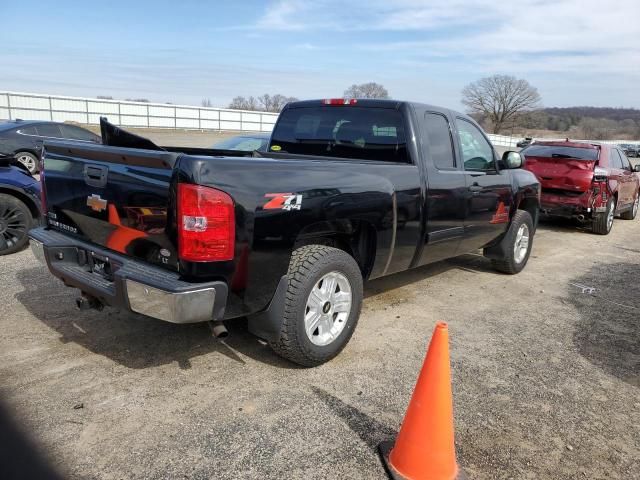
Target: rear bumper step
[{"x": 127, "y": 283}]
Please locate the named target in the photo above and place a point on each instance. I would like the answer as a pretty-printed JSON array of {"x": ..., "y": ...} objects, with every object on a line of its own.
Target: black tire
[
  {"x": 601, "y": 223},
  {"x": 308, "y": 265},
  {"x": 15, "y": 222},
  {"x": 633, "y": 211},
  {"x": 510, "y": 264},
  {"x": 29, "y": 160}
]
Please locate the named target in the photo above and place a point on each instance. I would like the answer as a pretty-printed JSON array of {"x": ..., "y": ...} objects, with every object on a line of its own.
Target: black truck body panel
[{"x": 402, "y": 215}]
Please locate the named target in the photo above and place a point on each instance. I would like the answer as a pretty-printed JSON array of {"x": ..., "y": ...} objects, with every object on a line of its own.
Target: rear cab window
[
  {"x": 364, "y": 133},
  {"x": 439, "y": 141},
  {"x": 559, "y": 151}
]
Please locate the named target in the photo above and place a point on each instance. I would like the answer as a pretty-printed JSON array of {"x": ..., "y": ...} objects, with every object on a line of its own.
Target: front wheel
[
  {"x": 322, "y": 305},
  {"x": 517, "y": 244}
]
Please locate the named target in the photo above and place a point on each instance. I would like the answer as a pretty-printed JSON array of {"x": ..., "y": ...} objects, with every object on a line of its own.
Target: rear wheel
[
  {"x": 322, "y": 305},
  {"x": 517, "y": 244},
  {"x": 633, "y": 211},
  {"x": 15, "y": 222},
  {"x": 29, "y": 160},
  {"x": 603, "y": 222}
]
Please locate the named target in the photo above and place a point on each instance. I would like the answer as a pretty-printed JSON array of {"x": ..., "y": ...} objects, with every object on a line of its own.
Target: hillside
[{"x": 609, "y": 113}]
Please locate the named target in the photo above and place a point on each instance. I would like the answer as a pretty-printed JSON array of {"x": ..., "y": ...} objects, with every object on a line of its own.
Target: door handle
[{"x": 475, "y": 188}]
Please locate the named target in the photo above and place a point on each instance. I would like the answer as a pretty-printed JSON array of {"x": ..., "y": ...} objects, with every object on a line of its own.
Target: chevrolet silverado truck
[
  {"x": 591, "y": 183},
  {"x": 348, "y": 191}
]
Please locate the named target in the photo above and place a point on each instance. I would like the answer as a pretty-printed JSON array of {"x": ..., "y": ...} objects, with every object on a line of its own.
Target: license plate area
[{"x": 97, "y": 264}]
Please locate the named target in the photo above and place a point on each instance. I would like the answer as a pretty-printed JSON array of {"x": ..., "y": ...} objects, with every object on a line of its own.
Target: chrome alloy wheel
[
  {"x": 328, "y": 308},
  {"x": 27, "y": 161},
  {"x": 635, "y": 206},
  {"x": 610, "y": 215},
  {"x": 521, "y": 245}
]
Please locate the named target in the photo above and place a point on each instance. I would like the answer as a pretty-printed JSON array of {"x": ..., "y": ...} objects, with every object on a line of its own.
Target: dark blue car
[{"x": 20, "y": 207}]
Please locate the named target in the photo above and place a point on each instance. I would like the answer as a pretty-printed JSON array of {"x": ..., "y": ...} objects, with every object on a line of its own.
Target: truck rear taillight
[
  {"x": 340, "y": 101},
  {"x": 206, "y": 224}
]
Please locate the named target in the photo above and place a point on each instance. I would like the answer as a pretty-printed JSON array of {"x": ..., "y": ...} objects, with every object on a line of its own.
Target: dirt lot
[{"x": 546, "y": 376}]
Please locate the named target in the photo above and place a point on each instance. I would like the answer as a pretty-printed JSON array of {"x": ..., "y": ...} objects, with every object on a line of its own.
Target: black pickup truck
[{"x": 349, "y": 190}]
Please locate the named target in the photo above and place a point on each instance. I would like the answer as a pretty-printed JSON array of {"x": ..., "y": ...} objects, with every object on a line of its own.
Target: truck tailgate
[{"x": 114, "y": 197}]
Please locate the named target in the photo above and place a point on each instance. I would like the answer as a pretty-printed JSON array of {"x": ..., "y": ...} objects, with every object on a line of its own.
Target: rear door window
[
  {"x": 615, "y": 160},
  {"x": 49, "y": 130},
  {"x": 343, "y": 132},
  {"x": 27, "y": 131},
  {"x": 77, "y": 133},
  {"x": 440, "y": 143}
]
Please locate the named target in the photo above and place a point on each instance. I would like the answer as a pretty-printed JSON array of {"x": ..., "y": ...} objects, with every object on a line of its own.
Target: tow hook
[{"x": 88, "y": 302}]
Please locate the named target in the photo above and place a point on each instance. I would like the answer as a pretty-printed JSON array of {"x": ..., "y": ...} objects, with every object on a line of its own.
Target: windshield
[
  {"x": 247, "y": 144},
  {"x": 342, "y": 131},
  {"x": 556, "y": 151}
]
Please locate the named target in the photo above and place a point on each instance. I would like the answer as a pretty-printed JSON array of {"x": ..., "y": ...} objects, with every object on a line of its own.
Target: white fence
[
  {"x": 31, "y": 106},
  {"x": 507, "y": 141}
]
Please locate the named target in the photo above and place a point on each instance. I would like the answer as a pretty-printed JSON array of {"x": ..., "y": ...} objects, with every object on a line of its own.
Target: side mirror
[
  {"x": 512, "y": 160},
  {"x": 637, "y": 167}
]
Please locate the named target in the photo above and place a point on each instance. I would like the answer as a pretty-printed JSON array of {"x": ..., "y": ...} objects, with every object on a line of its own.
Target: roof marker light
[{"x": 340, "y": 101}]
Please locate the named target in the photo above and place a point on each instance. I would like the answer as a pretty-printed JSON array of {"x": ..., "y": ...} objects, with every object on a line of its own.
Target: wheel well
[
  {"x": 357, "y": 238},
  {"x": 33, "y": 208},
  {"x": 530, "y": 205},
  {"x": 29, "y": 151}
]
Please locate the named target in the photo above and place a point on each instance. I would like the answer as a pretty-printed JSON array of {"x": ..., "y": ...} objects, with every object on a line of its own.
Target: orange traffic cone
[{"x": 425, "y": 446}]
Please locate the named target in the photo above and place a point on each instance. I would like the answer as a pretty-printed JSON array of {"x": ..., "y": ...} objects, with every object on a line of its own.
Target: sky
[{"x": 576, "y": 52}]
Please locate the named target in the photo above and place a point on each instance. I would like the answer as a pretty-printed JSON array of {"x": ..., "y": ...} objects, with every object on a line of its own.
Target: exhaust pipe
[
  {"x": 580, "y": 218},
  {"x": 218, "y": 329},
  {"x": 88, "y": 302}
]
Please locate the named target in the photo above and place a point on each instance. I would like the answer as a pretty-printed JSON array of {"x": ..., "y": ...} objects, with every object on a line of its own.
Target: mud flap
[{"x": 268, "y": 323}]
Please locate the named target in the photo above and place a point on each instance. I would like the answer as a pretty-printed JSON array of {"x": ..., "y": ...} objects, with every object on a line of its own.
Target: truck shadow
[
  {"x": 133, "y": 340},
  {"x": 559, "y": 224},
  {"x": 608, "y": 330},
  {"x": 139, "y": 342},
  {"x": 474, "y": 263}
]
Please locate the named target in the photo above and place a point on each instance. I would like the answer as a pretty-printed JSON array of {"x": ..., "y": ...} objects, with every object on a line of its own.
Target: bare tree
[
  {"x": 242, "y": 103},
  {"x": 104, "y": 97},
  {"x": 206, "y": 102},
  {"x": 141, "y": 100},
  {"x": 500, "y": 98},
  {"x": 264, "y": 103},
  {"x": 366, "y": 90}
]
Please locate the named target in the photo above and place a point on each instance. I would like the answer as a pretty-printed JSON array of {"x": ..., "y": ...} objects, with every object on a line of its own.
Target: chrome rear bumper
[{"x": 133, "y": 285}]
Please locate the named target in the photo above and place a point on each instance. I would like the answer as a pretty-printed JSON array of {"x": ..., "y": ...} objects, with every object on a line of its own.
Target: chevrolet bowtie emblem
[{"x": 96, "y": 203}]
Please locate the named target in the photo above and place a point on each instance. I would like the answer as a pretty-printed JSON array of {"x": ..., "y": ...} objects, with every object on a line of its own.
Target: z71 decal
[{"x": 283, "y": 201}]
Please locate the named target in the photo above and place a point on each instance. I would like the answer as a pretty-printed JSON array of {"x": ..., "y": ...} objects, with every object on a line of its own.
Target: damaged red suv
[{"x": 589, "y": 182}]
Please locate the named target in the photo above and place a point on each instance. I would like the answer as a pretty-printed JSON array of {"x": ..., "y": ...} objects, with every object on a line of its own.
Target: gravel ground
[{"x": 546, "y": 375}]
